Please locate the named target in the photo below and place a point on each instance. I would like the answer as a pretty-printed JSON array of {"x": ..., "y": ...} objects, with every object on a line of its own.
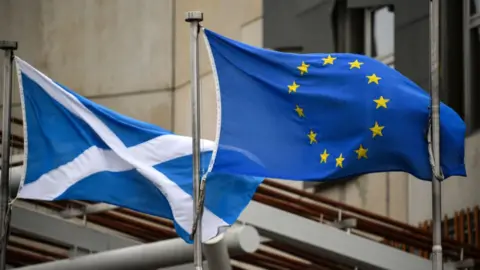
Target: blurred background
[{"x": 133, "y": 57}]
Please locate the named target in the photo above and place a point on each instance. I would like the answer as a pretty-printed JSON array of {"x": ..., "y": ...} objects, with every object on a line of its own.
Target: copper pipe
[
  {"x": 15, "y": 137},
  {"x": 128, "y": 228},
  {"x": 360, "y": 211},
  {"x": 38, "y": 239},
  {"x": 15, "y": 144},
  {"x": 283, "y": 201},
  {"x": 315, "y": 258},
  {"x": 285, "y": 205},
  {"x": 454, "y": 245},
  {"x": 445, "y": 227},
  {"x": 469, "y": 226},
  {"x": 28, "y": 254},
  {"x": 150, "y": 226},
  {"x": 461, "y": 225},
  {"x": 476, "y": 224},
  {"x": 280, "y": 261},
  {"x": 17, "y": 121},
  {"x": 153, "y": 219},
  {"x": 260, "y": 261},
  {"x": 36, "y": 249},
  {"x": 294, "y": 264}
]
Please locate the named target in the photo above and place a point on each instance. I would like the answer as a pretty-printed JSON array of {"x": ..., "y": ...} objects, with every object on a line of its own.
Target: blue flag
[
  {"x": 78, "y": 150},
  {"x": 323, "y": 116}
]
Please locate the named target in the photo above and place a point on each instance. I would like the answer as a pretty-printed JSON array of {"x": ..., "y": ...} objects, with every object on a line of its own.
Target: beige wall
[
  {"x": 382, "y": 193},
  {"x": 409, "y": 199},
  {"x": 128, "y": 55},
  {"x": 226, "y": 17},
  {"x": 133, "y": 57},
  {"x": 457, "y": 192},
  {"x": 119, "y": 53},
  {"x": 240, "y": 20}
]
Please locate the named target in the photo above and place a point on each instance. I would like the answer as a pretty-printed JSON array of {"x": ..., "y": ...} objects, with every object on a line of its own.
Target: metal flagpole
[
  {"x": 437, "y": 258},
  {"x": 194, "y": 18},
  {"x": 8, "y": 47}
]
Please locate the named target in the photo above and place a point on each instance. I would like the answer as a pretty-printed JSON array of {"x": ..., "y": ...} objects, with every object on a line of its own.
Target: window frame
[
  {"x": 388, "y": 59},
  {"x": 470, "y": 23}
]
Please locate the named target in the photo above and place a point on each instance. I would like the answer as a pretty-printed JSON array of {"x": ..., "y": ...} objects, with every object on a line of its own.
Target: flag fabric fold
[
  {"x": 78, "y": 150},
  {"x": 322, "y": 116}
]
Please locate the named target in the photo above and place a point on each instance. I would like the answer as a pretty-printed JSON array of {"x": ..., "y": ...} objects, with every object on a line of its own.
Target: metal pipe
[
  {"x": 382, "y": 226},
  {"x": 15, "y": 178},
  {"x": 216, "y": 252},
  {"x": 239, "y": 240},
  {"x": 437, "y": 258},
  {"x": 312, "y": 210},
  {"x": 8, "y": 48},
  {"x": 269, "y": 184},
  {"x": 194, "y": 18}
]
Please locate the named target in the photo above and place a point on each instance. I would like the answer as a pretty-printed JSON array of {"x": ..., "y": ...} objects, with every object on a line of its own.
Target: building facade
[
  {"x": 133, "y": 56},
  {"x": 397, "y": 33}
]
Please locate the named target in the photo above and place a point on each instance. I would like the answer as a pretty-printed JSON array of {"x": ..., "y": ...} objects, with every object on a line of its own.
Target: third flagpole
[
  {"x": 8, "y": 47},
  {"x": 194, "y": 18},
  {"x": 437, "y": 257}
]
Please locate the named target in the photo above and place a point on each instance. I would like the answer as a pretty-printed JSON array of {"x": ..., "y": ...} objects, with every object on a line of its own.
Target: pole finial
[
  {"x": 191, "y": 16},
  {"x": 8, "y": 45}
]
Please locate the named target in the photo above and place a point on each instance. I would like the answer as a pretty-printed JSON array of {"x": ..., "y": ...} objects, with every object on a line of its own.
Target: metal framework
[
  {"x": 56, "y": 229},
  {"x": 188, "y": 267},
  {"x": 275, "y": 224},
  {"x": 237, "y": 240},
  {"x": 15, "y": 176},
  {"x": 308, "y": 235}
]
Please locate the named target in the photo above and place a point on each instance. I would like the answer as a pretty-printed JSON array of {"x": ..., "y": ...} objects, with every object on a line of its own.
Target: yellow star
[
  {"x": 373, "y": 78},
  {"x": 324, "y": 156},
  {"x": 355, "y": 64},
  {"x": 377, "y": 130},
  {"x": 312, "y": 136},
  {"x": 339, "y": 160},
  {"x": 303, "y": 68},
  {"x": 381, "y": 102},
  {"x": 328, "y": 60},
  {"x": 361, "y": 152},
  {"x": 293, "y": 87},
  {"x": 299, "y": 111}
]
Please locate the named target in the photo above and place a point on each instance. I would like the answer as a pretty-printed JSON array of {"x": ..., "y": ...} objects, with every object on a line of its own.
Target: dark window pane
[
  {"x": 383, "y": 32},
  {"x": 474, "y": 7},
  {"x": 475, "y": 80}
]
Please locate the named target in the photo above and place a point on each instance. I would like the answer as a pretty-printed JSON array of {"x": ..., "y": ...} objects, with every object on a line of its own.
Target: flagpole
[
  {"x": 8, "y": 47},
  {"x": 194, "y": 18},
  {"x": 437, "y": 258}
]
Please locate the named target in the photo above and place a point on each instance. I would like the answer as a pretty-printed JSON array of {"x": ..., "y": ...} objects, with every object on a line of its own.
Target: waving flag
[
  {"x": 323, "y": 116},
  {"x": 79, "y": 150}
]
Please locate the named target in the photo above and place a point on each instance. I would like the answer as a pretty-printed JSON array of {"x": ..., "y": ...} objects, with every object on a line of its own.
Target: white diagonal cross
[{"x": 140, "y": 157}]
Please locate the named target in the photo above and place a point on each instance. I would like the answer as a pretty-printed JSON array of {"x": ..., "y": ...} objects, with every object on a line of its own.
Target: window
[
  {"x": 472, "y": 64},
  {"x": 383, "y": 31},
  {"x": 379, "y": 34},
  {"x": 474, "y": 7}
]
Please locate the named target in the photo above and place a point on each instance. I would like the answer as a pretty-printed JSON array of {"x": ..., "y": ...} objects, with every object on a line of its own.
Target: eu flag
[{"x": 323, "y": 116}]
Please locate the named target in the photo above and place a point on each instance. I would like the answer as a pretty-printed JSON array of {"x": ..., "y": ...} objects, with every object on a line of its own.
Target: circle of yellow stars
[{"x": 380, "y": 102}]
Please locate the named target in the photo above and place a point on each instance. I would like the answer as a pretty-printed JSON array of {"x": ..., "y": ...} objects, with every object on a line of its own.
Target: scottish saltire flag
[
  {"x": 323, "y": 116},
  {"x": 79, "y": 150}
]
